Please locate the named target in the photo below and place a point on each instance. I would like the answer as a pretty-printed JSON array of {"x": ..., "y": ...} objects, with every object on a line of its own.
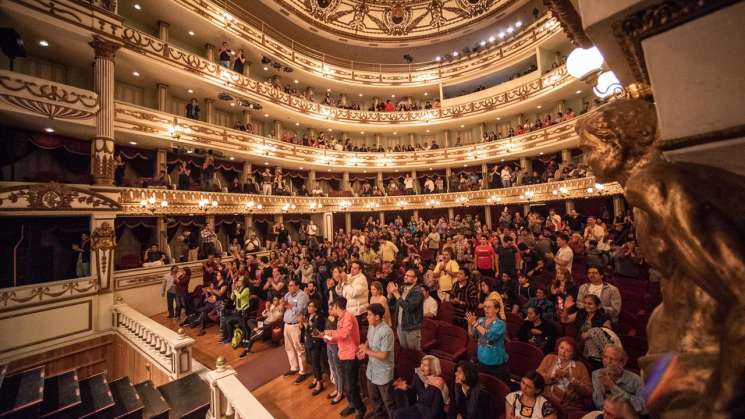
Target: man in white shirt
[
  {"x": 444, "y": 272},
  {"x": 355, "y": 290},
  {"x": 564, "y": 256},
  {"x": 409, "y": 185},
  {"x": 429, "y": 185},
  {"x": 430, "y": 306},
  {"x": 593, "y": 231}
]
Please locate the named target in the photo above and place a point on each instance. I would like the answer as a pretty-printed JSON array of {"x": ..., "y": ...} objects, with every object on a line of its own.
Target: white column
[
  {"x": 381, "y": 215},
  {"x": 487, "y": 216},
  {"x": 162, "y": 97},
  {"x": 102, "y": 145},
  {"x": 328, "y": 225},
  {"x": 209, "y": 111},
  {"x": 209, "y": 52},
  {"x": 451, "y": 213},
  {"x": 247, "y": 168},
  {"x": 619, "y": 206},
  {"x": 348, "y": 222},
  {"x": 161, "y": 161},
  {"x": 345, "y": 186},
  {"x": 277, "y": 130},
  {"x": 566, "y": 156},
  {"x": 163, "y": 31}
]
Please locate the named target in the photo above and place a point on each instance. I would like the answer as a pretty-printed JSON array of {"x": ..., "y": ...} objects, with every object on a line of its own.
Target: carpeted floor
[{"x": 265, "y": 366}]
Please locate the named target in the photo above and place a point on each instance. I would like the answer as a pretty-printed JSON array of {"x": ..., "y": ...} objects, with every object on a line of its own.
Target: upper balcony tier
[{"x": 29, "y": 100}]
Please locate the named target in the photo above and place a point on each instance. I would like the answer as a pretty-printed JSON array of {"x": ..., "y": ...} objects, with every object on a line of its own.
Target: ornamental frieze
[
  {"x": 53, "y": 197},
  {"x": 46, "y": 98},
  {"x": 383, "y": 21}
]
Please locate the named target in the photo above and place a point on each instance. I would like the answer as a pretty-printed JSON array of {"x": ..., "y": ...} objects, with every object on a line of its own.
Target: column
[
  {"x": 163, "y": 31},
  {"x": 416, "y": 214},
  {"x": 246, "y": 118},
  {"x": 566, "y": 156},
  {"x": 451, "y": 213},
  {"x": 416, "y": 182},
  {"x": 442, "y": 96},
  {"x": 209, "y": 111},
  {"x": 379, "y": 181},
  {"x": 619, "y": 206},
  {"x": 328, "y": 225},
  {"x": 412, "y": 140},
  {"x": 448, "y": 174},
  {"x": 279, "y": 218},
  {"x": 381, "y": 215},
  {"x": 526, "y": 209},
  {"x": 210, "y": 218},
  {"x": 446, "y": 138},
  {"x": 102, "y": 145},
  {"x": 348, "y": 222},
  {"x": 209, "y": 52},
  {"x": 311, "y": 180},
  {"x": 161, "y": 234},
  {"x": 378, "y": 139},
  {"x": 246, "y": 173},
  {"x": 487, "y": 216},
  {"x": 161, "y": 161},
  {"x": 248, "y": 223},
  {"x": 277, "y": 130},
  {"x": 345, "y": 185},
  {"x": 570, "y": 205},
  {"x": 526, "y": 165},
  {"x": 162, "y": 99},
  {"x": 482, "y": 130},
  {"x": 484, "y": 176},
  {"x": 561, "y": 107}
]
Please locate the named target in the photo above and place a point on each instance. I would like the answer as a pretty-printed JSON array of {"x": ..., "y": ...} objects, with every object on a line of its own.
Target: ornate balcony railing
[
  {"x": 193, "y": 133},
  {"x": 274, "y": 43},
  {"x": 169, "y": 350},
  {"x": 230, "y": 398},
  {"x": 52, "y": 100},
  {"x": 187, "y": 202}
]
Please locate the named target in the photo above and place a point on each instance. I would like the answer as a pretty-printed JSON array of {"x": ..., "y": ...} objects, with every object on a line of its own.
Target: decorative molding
[
  {"x": 103, "y": 243},
  {"x": 54, "y": 197},
  {"x": 570, "y": 21},
  {"x": 701, "y": 139},
  {"x": 47, "y": 98},
  {"x": 631, "y": 30},
  {"x": 384, "y": 22},
  {"x": 46, "y": 293},
  {"x": 104, "y": 48}
]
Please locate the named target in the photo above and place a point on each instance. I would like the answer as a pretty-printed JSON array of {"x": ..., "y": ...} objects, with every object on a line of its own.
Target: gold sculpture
[{"x": 690, "y": 227}]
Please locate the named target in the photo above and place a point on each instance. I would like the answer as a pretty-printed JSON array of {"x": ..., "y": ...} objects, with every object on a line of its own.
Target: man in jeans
[
  {"x": 294, "y": 303},
  {"x": 379, "y": 352},
  {"x": 409, "y": 310},
  {"x": 347, "y": 338}
]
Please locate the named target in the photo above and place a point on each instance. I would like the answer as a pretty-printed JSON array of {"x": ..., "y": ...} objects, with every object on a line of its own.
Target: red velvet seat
[
  {"x": 523, "y": 358},
  {"x": 497, "y": 390},
  {"x": 450, "y": 343},
  {"x": 429, "y": 334},
  {"x": 635, "y": 346},
  {"x": 448, "y": 370},
  {"x": 471, "y": 348},
  {"x": 639, "y": 324},
  {"x": 625, "y": 323},
  {"x": 446, "y": 313},
  {"x": 514, "y": 323},
  {"x": 406, "y": 361}
]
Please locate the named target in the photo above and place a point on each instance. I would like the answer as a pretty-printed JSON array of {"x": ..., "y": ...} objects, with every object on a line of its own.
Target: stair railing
[
  {"x": 169, "y": 350},
  {"x": 229, "y": 398}
]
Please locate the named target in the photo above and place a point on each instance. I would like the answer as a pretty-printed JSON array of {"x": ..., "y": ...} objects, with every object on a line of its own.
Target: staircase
[{"x": 30, "y": 394}]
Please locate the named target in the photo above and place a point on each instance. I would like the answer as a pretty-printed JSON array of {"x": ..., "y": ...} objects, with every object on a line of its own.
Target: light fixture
[
  {"x": 360, "y": 94},
  {"x": 455, "y": 53},
  {"x": 190, "y": 90},
  {"x": 372, "y": 205},
  {"x": 607, "y": 85},
  {"x": 297, "y": 124},
  {"x": 362, "y": 132},
  {"x": 395, "y": 133},
  {"x": 432, "y": 203},
  {"x": 582, "y": 62},
  {"x": 191, "y": 33},
  {"x": 393, "y": 95},
  {"x": 232, "y": 158},
  {"x": 499, "y": 119},
  {"x": 518, "y": 23},
  {"x": 330, "y": 129},
  {"x": 438, "y": 58},
  {"x": 491, "y": 38},
  {"x": 266, "y": 115},
  {"x": 232, "y": 103},
  {"x": 402, "y": 204},
  {"x": 426, "y": 94},
  {"x": 461, "y": 125},
  {"x": 563, "y": 191},
  {"x": 493, "y": 199},
  {"x": 266, "y": 68},
  {"x": 133, "y": 142},
  {"x": 44, "y": 43},
  {"x": 287, "y": 206},
  {"x": 461, "y": 200},
  {"x": 482, "y": 43},
  {"x": 427, "y": 131},
  {"x": 151, "y": 204},
  {"x": 137, "y": 6},
  {"x": 345, "y": 205},
  {"x": 328, "y": 90},
  {"x": 49, "y": 130},
  {"x": 528, "y": 195},
  {"x": 502, "y": 35},
  {"x": 315, "y": 205},
  {"x": 539, "y": 106},
  {"x": 205, "y": 204},
  {"x": 578, "y": 92},
  {"x": 510, "y": 29},
  {"x": 136, "y": 74}
]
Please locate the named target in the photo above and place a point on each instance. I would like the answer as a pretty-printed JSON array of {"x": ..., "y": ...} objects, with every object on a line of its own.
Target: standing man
[
  {"x": 388, "y": 250},
  {"x": 565, "y": 255},
  {"x": 294, "y": 302},
  {"x": 83, "y": 263},
  {"x": 169, "y": 290},
  {"x": 347, "y": 338},
  {"x": 379, "y": 352},
  {"x": 409, "y": 310},
  {"x": 609, "y": 295},
  {"x": 444, "y": 272}
]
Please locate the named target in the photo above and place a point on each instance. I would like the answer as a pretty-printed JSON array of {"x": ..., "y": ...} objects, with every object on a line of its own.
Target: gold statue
[{"x": 690, "y": 226}]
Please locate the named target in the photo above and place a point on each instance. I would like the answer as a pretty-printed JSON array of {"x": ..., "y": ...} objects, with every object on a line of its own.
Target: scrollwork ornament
[{"x": 103, "y": 237}]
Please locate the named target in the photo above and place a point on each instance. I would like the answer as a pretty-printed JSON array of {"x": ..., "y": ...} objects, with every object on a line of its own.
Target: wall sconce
[
  {"x": 372, "y": 205},
  {"x": 433, "y": 203},
  {"x": 205, "y": 204},
  {"x": 287, "y": 206},
  {"x": 176, "y": 130},
  {"x": 402, "y": 204},
  {"x": 494, "y": 199},
  {"x": 563, "y": 191},
  {"x": 251, "y": 205},
  {"x": 599, "y": 188},
  {"x": 345, "y": 205},
  {"x": 151, "y": 204},
  {"x": 528, "y": 195},
  {"x": 461, "y": 200}
]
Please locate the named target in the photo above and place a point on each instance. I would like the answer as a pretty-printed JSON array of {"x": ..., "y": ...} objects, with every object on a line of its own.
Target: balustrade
[{"x": 230, "y": 398}]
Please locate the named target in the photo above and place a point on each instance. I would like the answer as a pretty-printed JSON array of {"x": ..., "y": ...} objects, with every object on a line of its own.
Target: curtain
[
  {"x": 130, "y": 153},
  {"x": 138, "y": 225}
]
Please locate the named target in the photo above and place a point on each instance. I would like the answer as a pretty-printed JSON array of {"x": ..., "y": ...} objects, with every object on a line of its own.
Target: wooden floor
[{"x": 280, "y": 397}]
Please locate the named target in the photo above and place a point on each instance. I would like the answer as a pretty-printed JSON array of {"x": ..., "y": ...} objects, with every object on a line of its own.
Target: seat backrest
[
  {"x": 497, "y": 390},
  {"x": 471, "y": 348},
  {"x": 429, "y": 330},
  {"x": 446, "y": 313},
  {"x": 450, "y": 336},
  {"x": 448, "y": 370},
  {"x": 523, "y": 357},
  {"x": 408, "y": 360}
]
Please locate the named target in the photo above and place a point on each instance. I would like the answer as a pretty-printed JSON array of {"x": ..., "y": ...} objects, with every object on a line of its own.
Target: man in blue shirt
[
  {"x": 294, "y": 303},
  {"x": 379, "y": 350}
]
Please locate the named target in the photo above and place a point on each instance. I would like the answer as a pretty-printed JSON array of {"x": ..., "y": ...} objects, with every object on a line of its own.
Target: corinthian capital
[{"x": 103, "y": 48}]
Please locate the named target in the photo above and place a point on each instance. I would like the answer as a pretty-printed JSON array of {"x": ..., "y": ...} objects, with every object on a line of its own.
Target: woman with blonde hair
[
  {"x": 427, "y": 395},
  {"x": 377, "y": 296}
]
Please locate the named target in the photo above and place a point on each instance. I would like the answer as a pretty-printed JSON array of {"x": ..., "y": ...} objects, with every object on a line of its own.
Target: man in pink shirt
[{"x": 347, "y": 337}]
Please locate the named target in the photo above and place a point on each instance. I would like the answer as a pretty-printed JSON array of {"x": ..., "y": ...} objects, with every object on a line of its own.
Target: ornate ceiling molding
[
  {"x": 46, "y": 98},
  {"x": 53, "y": 197},
  {"x": 388, "y": 21},
  {"x": 570, "y": 21}
]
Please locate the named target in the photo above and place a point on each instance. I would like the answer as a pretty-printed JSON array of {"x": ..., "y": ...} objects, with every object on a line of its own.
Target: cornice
[{"x": 46, "y": 98}]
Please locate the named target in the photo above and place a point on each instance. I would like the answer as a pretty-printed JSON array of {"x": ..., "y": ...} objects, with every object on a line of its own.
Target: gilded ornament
[
  {"x": 103, "y": 48},
  {"x": 689, "y": 228},
  {"x": 103, "y": 237}
]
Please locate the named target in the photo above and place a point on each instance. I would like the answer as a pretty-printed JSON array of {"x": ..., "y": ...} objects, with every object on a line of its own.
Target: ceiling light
[
  {"x": 296, "y": 81},
  {"x": 583, "y": 62},
  {"x": 426, "y": 94},
  {"x": 461, "y": 125},
  {"x": 578, "y": 91},
  {"x": 44, "y": 43},
  {"x": 491, "y": 38},
  {"x": 329, "y": 170},
  {"x": 393, "y": 95},
  {"x": 136, "y": 74},
  {"x": 518, "y": 23},
  {"x": 232, "y": 103},
  {"x": 49, "y": 130},
  {"x": 482, "y": 43},
  {"x": 539, "y": 106},
  {"x": 360, "y": 94},
  {"x": 297, "y": 124},
  {"x": 266, "y": 115},
  {"x": 191, "y": 33},
  {"x": 455, "y": 53},
  {"x": 137, "y": 6},
  {"x": 501, "y": 35},
  {"x": 362, "y": 132},
  {"x": 232, "y": 158},
  {"x": 301, "y": 167},
  {"x": 266, "y": 163},
  {"x": 499, "y": 119},
  {"x": 328, "y": 90},
  {"x": 394, "y": 133},
  {"x": 510, "y": 29},
  {"x": 330, "y": 130},
  {"x": 133, "y": 142},
  {"x": 427, "y": 131},
  {"x": 266, "y": 68},
  {"x": 438, "y": 58},
  {"x": 190, "y": 90}
]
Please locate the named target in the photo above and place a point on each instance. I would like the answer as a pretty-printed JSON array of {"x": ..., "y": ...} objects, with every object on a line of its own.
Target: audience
[
  {"x": 528, "y": 402},
  {"x": 614, "y": 381}
]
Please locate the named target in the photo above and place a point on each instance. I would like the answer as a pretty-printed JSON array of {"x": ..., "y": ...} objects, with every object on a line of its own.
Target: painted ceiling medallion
[{"x": 384, "y": 21}]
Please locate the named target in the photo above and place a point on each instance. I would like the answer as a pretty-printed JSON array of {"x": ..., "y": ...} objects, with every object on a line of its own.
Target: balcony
[{"x": 51, "y": 100}]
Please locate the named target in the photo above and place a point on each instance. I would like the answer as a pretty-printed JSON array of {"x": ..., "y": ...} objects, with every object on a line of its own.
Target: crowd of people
[{"x": 355, "y": 300}]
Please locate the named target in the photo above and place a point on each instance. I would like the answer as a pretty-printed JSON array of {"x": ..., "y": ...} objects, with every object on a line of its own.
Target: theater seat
[
  {"x": 429, "y": 334},
  {"x": 635, "y": 346},
  {"x": 514, "y": 323},
  {"x": 498, "y": 390},
  {"x": 450, "y": 343},
  {"x": 406, "y": 361},
  {"x": 446, "y": 313},
  {"x": 523, "y": 358}
]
